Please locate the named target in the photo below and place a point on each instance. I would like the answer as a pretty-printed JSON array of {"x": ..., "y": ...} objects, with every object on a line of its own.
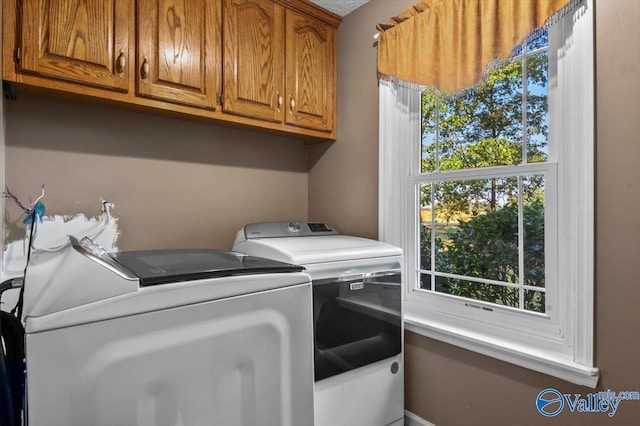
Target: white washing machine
[
  {"x": 357, "y": 316},
  {"x": 167, "y": 337}
]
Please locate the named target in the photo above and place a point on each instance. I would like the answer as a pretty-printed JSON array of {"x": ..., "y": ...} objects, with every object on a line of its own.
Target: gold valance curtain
[{"x": 448, "y": 43}]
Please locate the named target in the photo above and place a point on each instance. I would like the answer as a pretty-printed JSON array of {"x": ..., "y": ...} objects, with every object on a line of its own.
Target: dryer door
[{"x": 357, "y": 321}]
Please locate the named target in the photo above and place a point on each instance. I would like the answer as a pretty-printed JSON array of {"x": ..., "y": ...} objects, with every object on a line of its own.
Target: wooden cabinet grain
[
  {"x": 80, "y": 41},
  {"x": 279, "y": 65},
  {"x": 178, "y": 50},
  {"x": 311, "y": 84},
  {"x": 253, "y": 58},
  {"x": 265, "y": 64}
]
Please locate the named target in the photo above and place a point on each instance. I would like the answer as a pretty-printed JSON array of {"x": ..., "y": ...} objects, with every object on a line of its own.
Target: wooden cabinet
[
  {"x": 311, "y": 63},
  {"x": 279, "y": 65},
  {"x": 253, "y": 58},
  {"x": 178, "y": 51},
  {"x": 264, "y": 64},
  {"x": 80, "y": 41}
]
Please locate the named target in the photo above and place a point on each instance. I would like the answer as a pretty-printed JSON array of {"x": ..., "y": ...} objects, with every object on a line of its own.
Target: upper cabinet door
[
  {"x": 178, "y": 51},
  {"x": 253, "y": 59},
  {"x": 311, "y": 72},
  {"x": 84, "y": 41}
]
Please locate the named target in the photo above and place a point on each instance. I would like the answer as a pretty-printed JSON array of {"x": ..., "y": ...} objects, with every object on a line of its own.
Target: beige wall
[
  {"x": 343, "y": 176},
  {"x": 450, "y": 386},
  {"x": 175, "y": 183}
]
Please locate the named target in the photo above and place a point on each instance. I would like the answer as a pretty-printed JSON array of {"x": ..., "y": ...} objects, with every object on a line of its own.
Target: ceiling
[{"x": 340, "y": 7}]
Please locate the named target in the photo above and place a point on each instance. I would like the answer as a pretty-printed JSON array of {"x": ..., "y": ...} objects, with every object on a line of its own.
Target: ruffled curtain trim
[{"x": 452, "y": 44}]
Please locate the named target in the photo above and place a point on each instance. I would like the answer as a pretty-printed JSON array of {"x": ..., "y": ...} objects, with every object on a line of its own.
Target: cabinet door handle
[
  {"x": 121, "y": 63},
  {"x": 144, "y": 69},
  {"x": 292, "y": 104},
  {"x": 280, "y": 100}
]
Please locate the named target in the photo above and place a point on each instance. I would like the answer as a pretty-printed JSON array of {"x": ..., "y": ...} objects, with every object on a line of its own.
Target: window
[
  {"x": 495, "y": 188},
  {"x": 483, "y": 171}
]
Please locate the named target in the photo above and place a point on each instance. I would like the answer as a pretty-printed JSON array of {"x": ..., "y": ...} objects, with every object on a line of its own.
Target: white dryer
[
  {"x": 357, "y": 318},
  {"x": 167, "y": 337}
]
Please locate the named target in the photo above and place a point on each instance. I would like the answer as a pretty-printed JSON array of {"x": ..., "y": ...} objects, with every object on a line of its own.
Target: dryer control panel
[{"x": 286, "y": 229}]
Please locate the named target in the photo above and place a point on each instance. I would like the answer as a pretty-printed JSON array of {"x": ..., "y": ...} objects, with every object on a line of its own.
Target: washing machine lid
[
  {"x": 317, "y": 249},
  {"x": 154, "y": 267}
]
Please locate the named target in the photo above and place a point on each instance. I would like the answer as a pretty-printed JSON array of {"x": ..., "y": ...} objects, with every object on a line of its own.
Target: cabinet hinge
[
  {"x": 17, "y": 54},
  {"x": 220, "y": 98}
]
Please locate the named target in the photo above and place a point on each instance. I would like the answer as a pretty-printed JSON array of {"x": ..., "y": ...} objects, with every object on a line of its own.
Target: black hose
[
  {"x": 13, "y": 338},
  {"x": 12, "y": 366},
  {"x": 6, "y": 400},
  {"x": 11, "y": 283}
]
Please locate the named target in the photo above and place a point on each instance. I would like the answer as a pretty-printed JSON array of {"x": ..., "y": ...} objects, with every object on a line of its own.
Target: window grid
[{"x": 427, "y": 177}]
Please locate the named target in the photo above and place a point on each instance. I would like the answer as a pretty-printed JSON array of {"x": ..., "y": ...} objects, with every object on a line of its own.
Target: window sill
[{"x": 546, "y": 363}]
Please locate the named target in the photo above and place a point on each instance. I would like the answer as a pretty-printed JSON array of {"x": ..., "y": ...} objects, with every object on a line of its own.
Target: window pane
[
  {"x": 477, "y": 229},
  {"x": 425, "y": 281},
  {"x": 506, "y": 296},
  {"x": 534, "y": 301},
  {"x": 452, "y": 208},
  {"x": 425, "y": 227},
  {"x": 537, "y": 94},
  {"x": 476, "y": 235},
  {"x": 483, "y": 128},
  {"x": 533, "y": 219},
  {"x": 425, "y": 245},
  {"x": 429, "y": 123},
  {"x": 540, "y": 40}
]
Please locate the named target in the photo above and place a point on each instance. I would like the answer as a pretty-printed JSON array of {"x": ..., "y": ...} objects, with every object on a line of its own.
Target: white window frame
[{"x": 560, "y": 341}]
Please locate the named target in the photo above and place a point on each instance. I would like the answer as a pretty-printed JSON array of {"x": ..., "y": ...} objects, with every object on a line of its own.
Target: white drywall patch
[{"x": 51, "y": 237}]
